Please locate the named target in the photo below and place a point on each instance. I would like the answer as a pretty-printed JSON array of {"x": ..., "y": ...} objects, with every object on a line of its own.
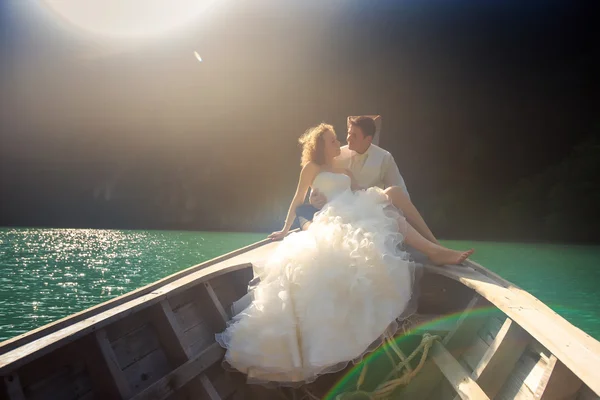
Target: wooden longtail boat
[{"x": 487, "y": 339}]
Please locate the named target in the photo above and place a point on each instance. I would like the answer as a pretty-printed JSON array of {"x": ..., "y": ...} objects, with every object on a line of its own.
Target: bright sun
[{"x": 129, "y": 19}]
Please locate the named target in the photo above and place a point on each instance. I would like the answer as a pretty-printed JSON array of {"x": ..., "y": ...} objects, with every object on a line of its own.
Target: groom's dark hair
[{"x": 366, "y": 125}]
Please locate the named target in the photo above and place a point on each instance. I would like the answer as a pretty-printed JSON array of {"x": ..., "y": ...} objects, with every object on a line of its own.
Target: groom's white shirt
[{"x": 375, "y": 167}]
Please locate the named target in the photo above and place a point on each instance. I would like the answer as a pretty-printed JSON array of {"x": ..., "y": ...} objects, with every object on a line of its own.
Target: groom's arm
[{"x": 391, "y": 174}]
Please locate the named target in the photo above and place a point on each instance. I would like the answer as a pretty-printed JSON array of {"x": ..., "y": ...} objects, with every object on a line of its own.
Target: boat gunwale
[
  {"x": 555, "y": 340},
  {"x": 35, "y": 334},
  {"x": 35, "y": 349}
]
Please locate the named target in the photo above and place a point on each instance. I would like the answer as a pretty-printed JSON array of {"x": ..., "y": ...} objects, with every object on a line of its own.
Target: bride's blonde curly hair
[{"x": 313, "y": 145}]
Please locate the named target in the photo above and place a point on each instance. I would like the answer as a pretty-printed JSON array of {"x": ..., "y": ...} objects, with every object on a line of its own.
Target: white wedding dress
[{"x": 327, "y": 295}]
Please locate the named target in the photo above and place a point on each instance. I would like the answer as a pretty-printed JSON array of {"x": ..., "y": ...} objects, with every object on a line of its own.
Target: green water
[{"x": 47, "y": 274}]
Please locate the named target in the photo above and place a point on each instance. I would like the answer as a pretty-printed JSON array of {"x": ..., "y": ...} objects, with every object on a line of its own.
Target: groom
[{"x": 370, "y": 164}]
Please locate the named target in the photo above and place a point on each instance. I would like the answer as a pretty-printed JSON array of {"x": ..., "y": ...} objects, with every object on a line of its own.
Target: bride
[{"x": 329, "y": 294}]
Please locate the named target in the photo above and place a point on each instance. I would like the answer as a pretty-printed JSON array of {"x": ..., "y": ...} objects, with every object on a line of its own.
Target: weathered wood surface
[
  {"x": 456, "y": 342},
  {"x": 587, "y": 394},
  {"x": 177, "y": 378},
  {"x": 13, "y": 388},
  {"x": 558, "y": 382},
  {"x": 460, "y": 380},
  {"x": 432, "y": 323},
  {"x": 44, "y": 345},
  {"x": 574, "y": 348},
  {"x": 117, "y": 375},
  {"x": 243, "y": 255},
  {"x": 498, "y": 361},
  {"x": 525, "y": 377},
  {"x": 216, "y": 302},
  {"x": 209, "y": 389}
]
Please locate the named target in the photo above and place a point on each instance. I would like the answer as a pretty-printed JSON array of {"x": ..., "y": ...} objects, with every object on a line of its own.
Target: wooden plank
[
  {"x": 241, "y": 280},
  {"x": 113, "y": 365},
  {"x": 498, "y": 362},
  {"x": 242, "y": 256},
  {"x": 456, "y": 342},
  {"x": 515, "y": 386},
  {"x": 135, "y": 345},
  {"x": 558, "y": 382},
  {"x": 90, "y": 396},
  {"x": 47, "y": 344},
  {"x": 458, "y": 377},
  {"x": 176, "y": 379},
  {"x": 587, "y": 394},
  {"x": 170, "y": 333},
  {"x": 62, "y": 376},
  {"x": 183, "y": 299},
  {"x": 216, "y": 302},
  {"x": 573, "y": 347},
  {"x": 125, "y": 326},
  {"x": 534, "y": 377},
  {"x": 63, "y": 358},
  {"x": 491, "y": 328},
  {"x": 475, "y": 352},
  {"x": 189, "y": 315},
  {"x": 12, "y": 385},
  {"x": 197, "y": 338},
  {"x": 441, "y": 295},
  {"x": 467, "y": 325},
  {"x": 210, "y": 390},
  {"x": 223, "y": 381},
  {"x": 496, "y": 365},
  {"x": 68, "y": 385},
  {"x": 444, "y": 390},
  {"x": 232, "y": 287},
  {"x": 147, "y": 370},
  {"x": 433, "y": 323},
  {"x": 103, "y": 384}
]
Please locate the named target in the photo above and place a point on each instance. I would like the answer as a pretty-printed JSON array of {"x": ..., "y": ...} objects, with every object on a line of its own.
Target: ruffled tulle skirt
[{"x": 327, "y": 295}]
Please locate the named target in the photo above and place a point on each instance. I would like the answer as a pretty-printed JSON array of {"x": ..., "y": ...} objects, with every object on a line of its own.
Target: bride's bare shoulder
[
  {"x": 311, "y": 166},
  {"x": 311, "y": 169}
]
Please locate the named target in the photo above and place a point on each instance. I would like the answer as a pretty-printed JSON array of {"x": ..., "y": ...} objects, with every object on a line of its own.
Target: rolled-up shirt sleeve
[{"x": 391, "y": 174}]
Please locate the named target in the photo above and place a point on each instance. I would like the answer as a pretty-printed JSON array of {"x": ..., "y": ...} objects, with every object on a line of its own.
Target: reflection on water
[{"x": 47, "y": 274}]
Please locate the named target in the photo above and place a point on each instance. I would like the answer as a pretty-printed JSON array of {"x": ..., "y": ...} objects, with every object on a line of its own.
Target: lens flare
[
  {"x": 130, "y": 19},
  {"x": 347, "y": 382}
]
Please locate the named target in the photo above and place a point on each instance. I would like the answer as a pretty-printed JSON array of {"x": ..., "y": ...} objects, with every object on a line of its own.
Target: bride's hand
[
  {"x": 353, "y": 184},
  {"x": 278, "y": 235}
]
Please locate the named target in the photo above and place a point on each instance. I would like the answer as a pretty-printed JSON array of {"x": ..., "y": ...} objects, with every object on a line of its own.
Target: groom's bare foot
[{"x": 445, "y": 256}]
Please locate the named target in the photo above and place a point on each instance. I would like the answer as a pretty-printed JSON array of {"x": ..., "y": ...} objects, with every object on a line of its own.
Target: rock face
[
  {"x": 145, "y": 192},
  {"x": 218, "y": 191},
  {"x": 150, "y": 138}
]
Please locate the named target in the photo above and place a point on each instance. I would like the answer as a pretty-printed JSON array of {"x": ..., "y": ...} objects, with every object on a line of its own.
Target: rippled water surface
[
  {"x": 565, "y": 277},
  {"x": 47, "y": 274}
]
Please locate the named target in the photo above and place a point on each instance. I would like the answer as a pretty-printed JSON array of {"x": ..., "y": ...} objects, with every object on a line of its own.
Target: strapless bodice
[{"x": 331, "y": 184}]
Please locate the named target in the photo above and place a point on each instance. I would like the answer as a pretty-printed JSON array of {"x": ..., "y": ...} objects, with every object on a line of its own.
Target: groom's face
[{"x": 357, "y": 141}]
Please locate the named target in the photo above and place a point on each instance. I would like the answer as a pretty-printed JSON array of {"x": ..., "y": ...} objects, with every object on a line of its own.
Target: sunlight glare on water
[{"x": 47, "y": 274}]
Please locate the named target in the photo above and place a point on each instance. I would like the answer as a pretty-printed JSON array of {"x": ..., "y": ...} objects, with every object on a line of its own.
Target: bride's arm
[{"x": 307, "y": 175}]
